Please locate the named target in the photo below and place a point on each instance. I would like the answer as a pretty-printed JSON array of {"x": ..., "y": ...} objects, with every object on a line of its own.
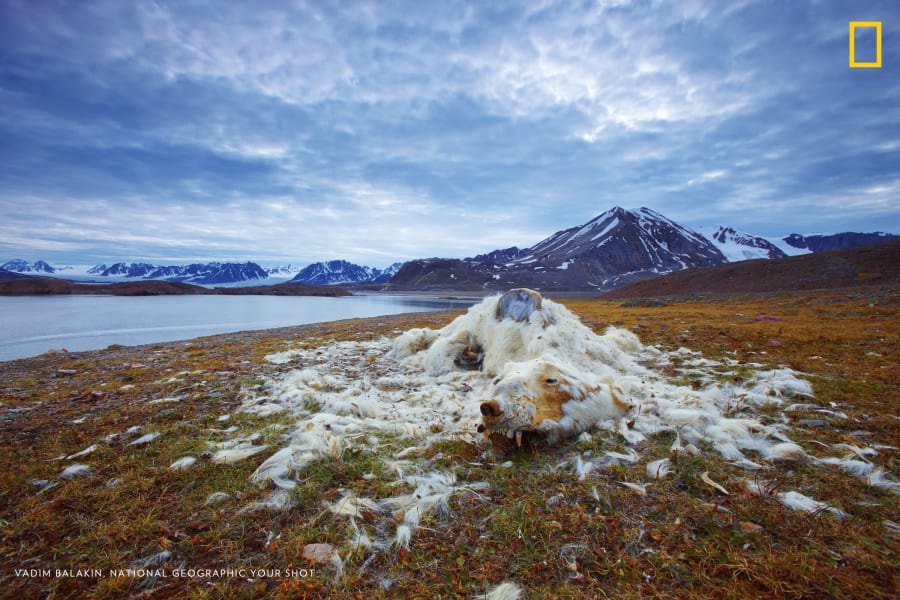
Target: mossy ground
[{"x": 537, "y": 525}]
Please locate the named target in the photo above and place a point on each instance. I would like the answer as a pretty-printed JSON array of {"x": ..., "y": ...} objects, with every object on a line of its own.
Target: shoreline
[
  {"x": 86, "y": 341},
  {"x": 50, "y": 286}
]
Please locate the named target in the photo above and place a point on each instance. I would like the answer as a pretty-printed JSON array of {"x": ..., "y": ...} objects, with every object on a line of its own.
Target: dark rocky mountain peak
[
  {"x": 497, "y": 256},
  {"x": 837, "y": 241},
  {"x": 614, "y": 247}
]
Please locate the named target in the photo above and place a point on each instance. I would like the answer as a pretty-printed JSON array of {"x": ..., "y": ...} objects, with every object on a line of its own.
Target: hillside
[
  {"x": 4, "y": 274},
  {"x": 283, "y": 289},
  {"x": 48, "y": 286},
  {"x": 31, "y": 286},
  {"x": 868, "y": 265}
]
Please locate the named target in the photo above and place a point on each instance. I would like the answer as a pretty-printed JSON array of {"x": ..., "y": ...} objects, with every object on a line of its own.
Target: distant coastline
[{"x": 40, "y": 286}]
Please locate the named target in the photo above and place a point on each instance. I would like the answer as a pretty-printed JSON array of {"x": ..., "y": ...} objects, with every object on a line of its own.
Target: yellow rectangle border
[{"x": 865, "y": 65}]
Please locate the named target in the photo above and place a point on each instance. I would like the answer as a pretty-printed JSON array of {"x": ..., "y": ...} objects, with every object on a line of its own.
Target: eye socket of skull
[{"x": 490, "y": 408}]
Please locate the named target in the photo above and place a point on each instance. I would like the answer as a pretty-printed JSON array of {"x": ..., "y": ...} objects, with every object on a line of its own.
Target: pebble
[
  {"x": 318, "y": 553},
  {"x": 748, "y": 527}
]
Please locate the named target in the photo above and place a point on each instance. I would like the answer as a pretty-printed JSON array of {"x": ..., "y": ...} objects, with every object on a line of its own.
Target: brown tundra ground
[{"x": 536, "y": 524}]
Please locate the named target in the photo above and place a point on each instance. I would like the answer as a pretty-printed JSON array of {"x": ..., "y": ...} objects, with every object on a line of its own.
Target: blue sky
[{"x": 383, "y": 131}]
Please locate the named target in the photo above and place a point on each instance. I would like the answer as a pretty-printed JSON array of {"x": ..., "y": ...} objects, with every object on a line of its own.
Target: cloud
[{"x": 386, "y": 131}]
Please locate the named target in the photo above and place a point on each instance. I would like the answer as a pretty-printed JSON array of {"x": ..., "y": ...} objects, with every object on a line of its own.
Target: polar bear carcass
[{"x": 546, "y": 373}]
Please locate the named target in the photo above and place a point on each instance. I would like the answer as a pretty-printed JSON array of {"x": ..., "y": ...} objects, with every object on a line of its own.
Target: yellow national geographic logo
[{"x": 865, "y": 65}]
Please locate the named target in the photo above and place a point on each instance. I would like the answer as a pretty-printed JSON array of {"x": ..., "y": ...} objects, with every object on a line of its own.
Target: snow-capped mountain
[
  {"x": 213, "y": 273},
  {"x": 341, "y": 271},
  {"x": 616, "y": 247},
  {"x": 22, "y": 266},
  {"x": 333, "y": 272},
  {"x": 737, "y": 245},
  {"x": 199, "y": 273},
  {"x": 283, "y": 271},
  {"x": 121, "y": 269},
  {"x": 385, "y": 275},
  {"x": 623, "y": 242}
]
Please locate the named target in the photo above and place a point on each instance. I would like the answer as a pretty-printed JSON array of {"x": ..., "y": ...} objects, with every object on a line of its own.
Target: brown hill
[
  {"x": 31, "y": 286},
  {"x": 869, "y": 265},
  {"x": 283, "y": 289}
]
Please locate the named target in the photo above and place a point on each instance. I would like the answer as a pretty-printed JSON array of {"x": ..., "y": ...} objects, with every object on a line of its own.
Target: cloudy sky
[{"x": 180, "y": 131}]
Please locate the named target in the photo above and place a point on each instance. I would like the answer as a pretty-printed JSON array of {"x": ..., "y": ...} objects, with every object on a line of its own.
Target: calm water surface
[{"x": 31, "y": 325}]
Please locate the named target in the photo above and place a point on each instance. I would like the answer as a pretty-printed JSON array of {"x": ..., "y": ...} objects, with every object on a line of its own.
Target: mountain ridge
[
  {"x": 615, "y": 248},
  {"x": 341, "y": 271}
]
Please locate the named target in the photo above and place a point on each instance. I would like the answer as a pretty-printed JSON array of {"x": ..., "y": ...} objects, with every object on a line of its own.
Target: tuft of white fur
[
  {"x": 277, "y": 466},
  {"x": 145, "y": 439},
  {"x": 640, "y": 488},
  {"x": 75, "y": 471},
  {"x": 658, "y": 468},
  {"x": 759, "y": 487},
  {"x": 216, "y": 498},
  {"x": 617, "y": 457},
  {"x": 860, "y": 468},
  {"x": 403, "y": 536},
  {"x": 278, "y": 501},
  {"x": 337, "y": 564},
  {"x": 84, "y": 452},
  {"x": 582, "y": 468},
  {"x": 552, "y": 331},
  {"x": 413, "y": 341},
  {"x": 504, "y": 591},
  {"x": 797, "y": 501},
  {"x": 878, "y": 478},
  {"x": 353, "y": 506},
  {"x": 228, "y": 457},
  {"x": 283, "y": 483},
  {"x": 852, "y": 450},
  {"x": 787, "y": 451},
  {"x": 183, "y": 463},
  {"x": 358, "y": 538},
  {"x": 263, "y": 409}
]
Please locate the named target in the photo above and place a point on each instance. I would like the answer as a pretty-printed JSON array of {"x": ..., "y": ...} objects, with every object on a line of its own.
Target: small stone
[
  {"x": 318, "y": 553},
  {"x": 748, "y": 527},
  {"x": 813, "y": 422}
]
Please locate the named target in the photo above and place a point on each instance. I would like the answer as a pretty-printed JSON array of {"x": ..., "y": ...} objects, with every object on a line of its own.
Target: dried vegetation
[{"x": 537, "y": 524}]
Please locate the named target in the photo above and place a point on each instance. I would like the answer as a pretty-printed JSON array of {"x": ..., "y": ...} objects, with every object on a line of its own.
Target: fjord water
[{"x": 32, "y": 325}]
